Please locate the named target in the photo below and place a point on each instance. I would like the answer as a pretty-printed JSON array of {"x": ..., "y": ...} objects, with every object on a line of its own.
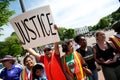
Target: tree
[
  {"x": 11, "y": 46},
  {"x": 66, "y": 33},
  {"x": 69, "y": 34},
  {"x": 5, "y": 13},
  {"x": 116, "y": 15},
  {"x": 103, "y": 23},
  {"x": 107, "y": 21}
]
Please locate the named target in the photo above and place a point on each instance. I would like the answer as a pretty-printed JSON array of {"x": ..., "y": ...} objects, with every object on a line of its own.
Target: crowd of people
[{"x": 79, "y": 64}]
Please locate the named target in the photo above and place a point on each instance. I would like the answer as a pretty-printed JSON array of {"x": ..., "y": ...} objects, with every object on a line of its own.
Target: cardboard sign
[{"x": 35, "y": 27}]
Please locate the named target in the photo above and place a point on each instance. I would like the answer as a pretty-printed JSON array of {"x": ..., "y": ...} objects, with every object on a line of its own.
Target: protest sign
[{"x": 35, "y": 27}]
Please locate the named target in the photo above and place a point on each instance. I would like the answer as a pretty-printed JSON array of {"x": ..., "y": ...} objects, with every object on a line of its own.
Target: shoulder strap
[
  {"x": 97, "y": 50},
  {"x": 108, "y": 44},
  {"x": 24, "y": 75}
]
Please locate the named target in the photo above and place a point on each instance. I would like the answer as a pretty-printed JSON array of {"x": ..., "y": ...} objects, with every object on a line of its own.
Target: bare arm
[
  {"x": 56, "y": 48},
  {"x": 101, "y": 60},
  {"x": 95, "y": 55},
  {"x": 32, "y": 52},
  {"x": 68, "y": 77},
  {"x": 56, "y": 44},
  {"x": 113, "y": 46}
]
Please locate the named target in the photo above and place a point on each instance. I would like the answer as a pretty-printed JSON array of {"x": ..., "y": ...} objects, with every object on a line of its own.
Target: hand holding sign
[{"x": 35, "y": 27}]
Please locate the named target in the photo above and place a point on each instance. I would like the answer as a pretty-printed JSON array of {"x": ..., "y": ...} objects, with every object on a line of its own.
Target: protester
[
  {"x": 73, "y": 65},
  {"x": 11, "y": 69},
  {"x": 28, "y": 63},
  {"x": 51, "y": 61},
  {"x": 87, "y": 54},
  {"x": 106, "y": 55},
  {"x": 38, "y": 72},
  {"x": 116, "y": 38}
]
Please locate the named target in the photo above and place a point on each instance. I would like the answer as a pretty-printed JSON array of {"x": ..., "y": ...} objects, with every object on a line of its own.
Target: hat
[
  {"x": 47, "y": 48},
  {"x": 7, "y": 57}
]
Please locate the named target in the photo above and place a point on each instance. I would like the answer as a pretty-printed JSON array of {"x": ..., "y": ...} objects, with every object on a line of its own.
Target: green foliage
[
  {"x": 66, "y": 33},
  {"x": 5, "y": 13},
  {"x": 69, "y": 34},
  {"x": 107, "y": 21},
  {"x": 61, "y": 33},
  {"x": 116, "y": 15},
  {"x": 103, "y": 23},
  {"x": 11, "y": 46}
]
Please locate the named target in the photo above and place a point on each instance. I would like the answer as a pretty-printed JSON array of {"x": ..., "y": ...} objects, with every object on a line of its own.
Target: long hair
[
  {"x": 27, "y": 56},
  {"x": 65, "y": 45}
]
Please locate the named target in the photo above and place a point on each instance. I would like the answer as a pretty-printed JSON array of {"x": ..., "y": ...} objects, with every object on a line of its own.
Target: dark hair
[
  {"x": 77, "y": 38},
  {"x": 27, "y": 56},
  {"x": 65, "y": 45},
  {"x": 36, "y": 67},
  {"x": 116, "y": 26}
]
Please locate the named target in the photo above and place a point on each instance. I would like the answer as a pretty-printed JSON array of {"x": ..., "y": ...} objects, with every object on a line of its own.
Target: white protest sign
[{"x": 35, "y": 27}]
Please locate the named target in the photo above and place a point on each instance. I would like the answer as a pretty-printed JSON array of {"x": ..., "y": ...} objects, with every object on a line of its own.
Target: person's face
[
  {"x": 48, "y": 53},
  {"x": 39, "y": 72},
  {"x": 101, "y": 36},
  {"x": 5, "y": 63},
  {"x": 70, "y": 47},
  {"x": 82, "y": 42},
  {"x": 29, "y": 63}
]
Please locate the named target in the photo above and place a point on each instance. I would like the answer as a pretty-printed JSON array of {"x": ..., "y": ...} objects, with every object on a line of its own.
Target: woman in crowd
[
  {"x": 106, "y": 55},
  {"x": 11, "y": 70},
  {"x": 28, "y": 63},
  {"x": 73, "y": 65},
  {"x": 87, "y": 54},
  {"x": 38, "y": 72}
]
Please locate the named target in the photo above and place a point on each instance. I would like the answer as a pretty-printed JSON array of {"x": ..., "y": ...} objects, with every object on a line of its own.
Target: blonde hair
[{"x": 97, "y": 33}]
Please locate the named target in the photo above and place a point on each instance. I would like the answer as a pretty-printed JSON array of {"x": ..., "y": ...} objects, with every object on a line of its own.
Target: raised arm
[
  {"x": 56, "y": 48},
  {"x": 32, "y": 52},
  {"x": 56, "y": 44}
]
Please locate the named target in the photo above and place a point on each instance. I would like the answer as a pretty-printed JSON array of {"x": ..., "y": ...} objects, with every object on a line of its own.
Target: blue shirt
[{"x": 11, "y": 74}]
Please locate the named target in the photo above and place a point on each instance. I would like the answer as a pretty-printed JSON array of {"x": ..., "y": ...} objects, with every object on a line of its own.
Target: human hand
[
  {"x": 21, "y": 43},
  {"x": 109, "y": 61},
  {"x": 55, "y": 27}
]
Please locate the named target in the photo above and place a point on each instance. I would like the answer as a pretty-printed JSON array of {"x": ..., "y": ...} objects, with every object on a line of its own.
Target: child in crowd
[{"x": 38, "y": 72}]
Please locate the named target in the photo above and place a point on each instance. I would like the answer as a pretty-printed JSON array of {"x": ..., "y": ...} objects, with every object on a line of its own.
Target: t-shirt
[
  {"x": 56, "y": 56},
  {"x": 11, "y": 74},
  {"x": 88, "y": 56},
  {"x": 70, "y": 62}
]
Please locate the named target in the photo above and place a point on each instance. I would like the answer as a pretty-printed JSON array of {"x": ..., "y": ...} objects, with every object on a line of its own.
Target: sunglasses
[{"x": 47, "y": 50}]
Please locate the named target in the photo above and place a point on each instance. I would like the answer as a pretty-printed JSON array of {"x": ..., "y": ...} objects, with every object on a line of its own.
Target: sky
[{"x": 67, "y": 13}]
